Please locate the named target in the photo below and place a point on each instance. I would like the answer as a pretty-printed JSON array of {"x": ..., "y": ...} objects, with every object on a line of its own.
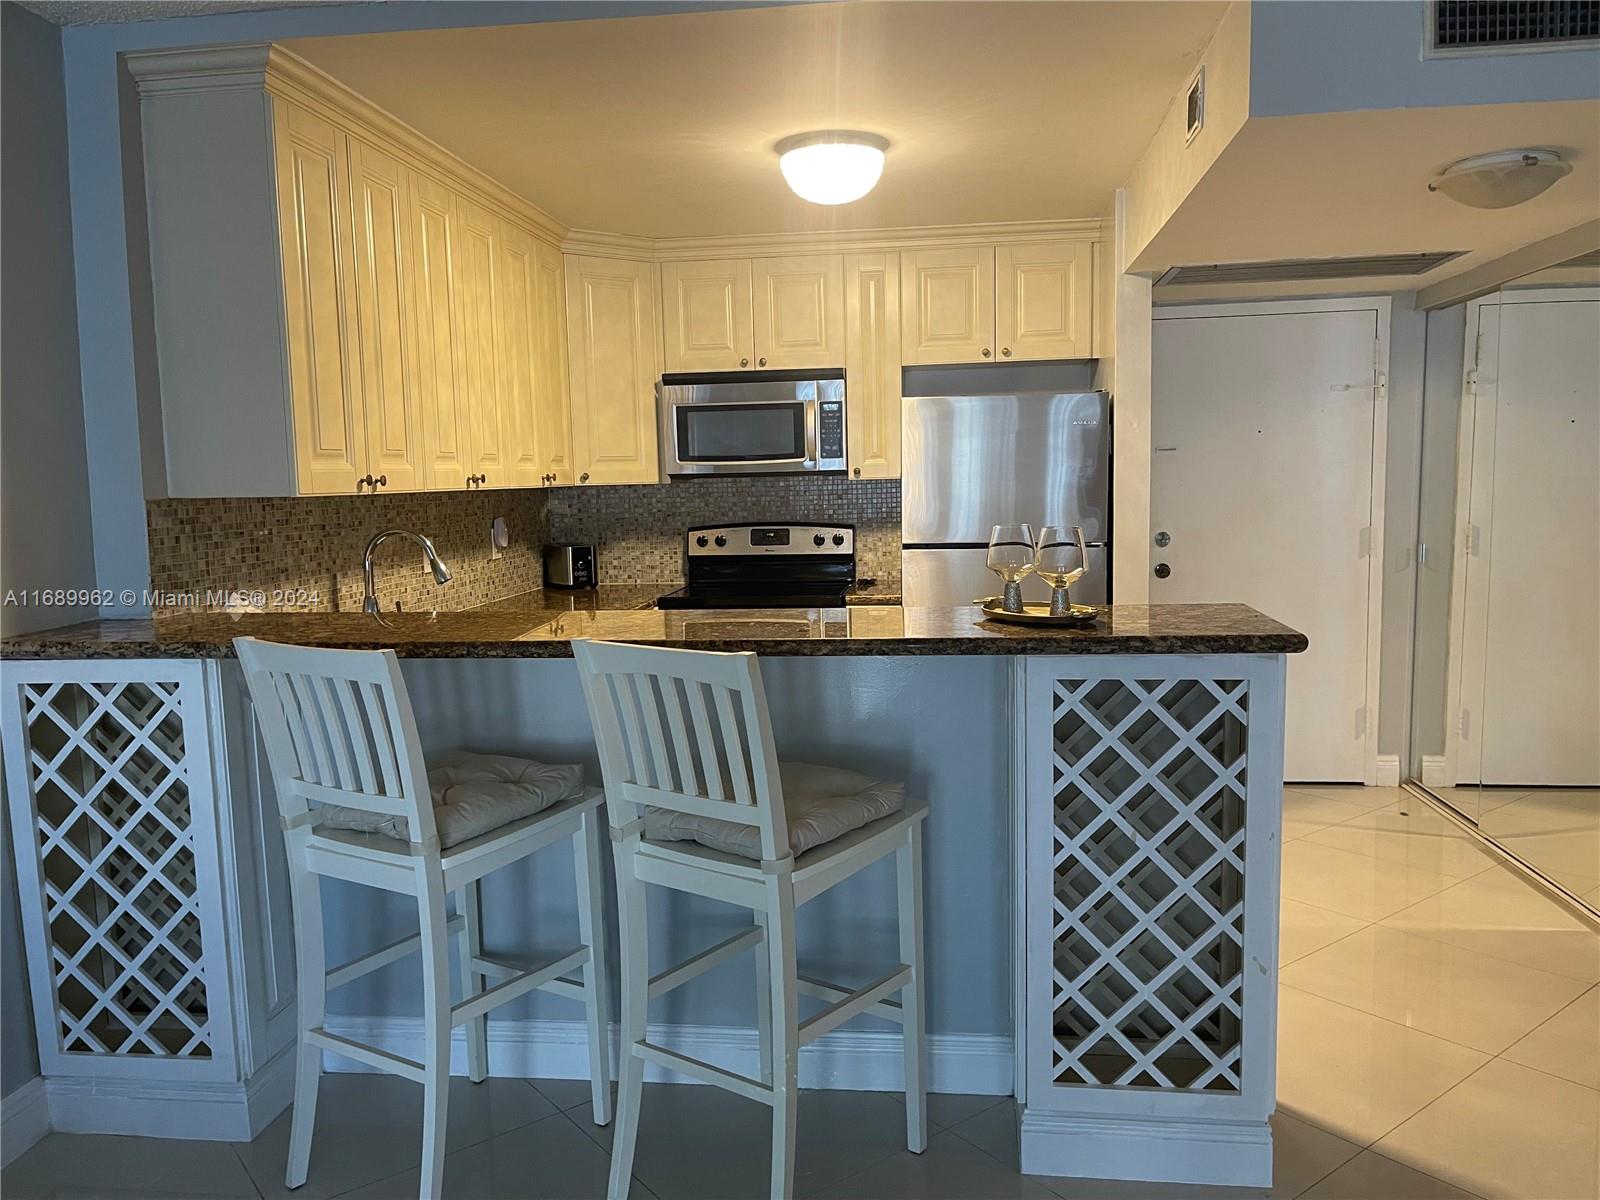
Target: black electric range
[{"x": 765, "y": 566}]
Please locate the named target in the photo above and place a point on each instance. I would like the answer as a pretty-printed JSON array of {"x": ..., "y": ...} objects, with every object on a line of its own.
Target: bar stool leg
[
  {"x": 764, "y": 1002},
  {"x": 470, "y": 905},
  {"x": 908, "y": 871},
  {"x": 312, "y": 999},
  {"x": 785, "y": 1017},
  {"x": 591, "y": 931},
  {"x": 635, "y": 1005},
  {"x": 436, "y": 1027}
]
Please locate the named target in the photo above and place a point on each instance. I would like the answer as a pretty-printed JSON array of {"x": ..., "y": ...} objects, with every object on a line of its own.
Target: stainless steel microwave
[{"x": 777, "y": 422}]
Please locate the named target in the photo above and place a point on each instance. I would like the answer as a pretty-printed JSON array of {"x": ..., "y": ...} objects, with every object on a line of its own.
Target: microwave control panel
[{"x": 830, "y": 431}]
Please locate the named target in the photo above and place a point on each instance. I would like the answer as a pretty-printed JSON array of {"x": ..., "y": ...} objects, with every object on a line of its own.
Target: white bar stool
[
  {"x": 356, "y": 804},
  {"x": 699, "y": 803}
]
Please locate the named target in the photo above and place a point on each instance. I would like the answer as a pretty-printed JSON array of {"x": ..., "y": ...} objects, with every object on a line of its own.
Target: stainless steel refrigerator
[{"x": 970, "y": 463}]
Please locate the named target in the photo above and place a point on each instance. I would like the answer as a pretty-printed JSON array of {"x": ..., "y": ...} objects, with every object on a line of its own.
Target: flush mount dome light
[
  {"x": 833, "y": 166},
  {"x": 1500, "y": 179}
]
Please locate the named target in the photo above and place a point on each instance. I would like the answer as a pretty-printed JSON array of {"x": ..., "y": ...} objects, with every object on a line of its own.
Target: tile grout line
[{"x": 243, "y": 1166}]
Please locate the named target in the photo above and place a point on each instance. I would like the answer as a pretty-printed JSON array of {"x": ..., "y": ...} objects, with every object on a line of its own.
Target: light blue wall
[
  {"x": 937, "y": 723},
  {"x": 19, "y": 1057},
  {"x": 1342, "y": 55},
  {"x": 119, "y": 397},
  {"x": 44, "y": 486}
]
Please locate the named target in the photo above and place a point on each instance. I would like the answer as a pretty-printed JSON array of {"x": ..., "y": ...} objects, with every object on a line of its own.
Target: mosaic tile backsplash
[
  {"x": 305, "y": 553},
  {"x": 638, "y": 530},
  {"x": 308, "y": 550}
]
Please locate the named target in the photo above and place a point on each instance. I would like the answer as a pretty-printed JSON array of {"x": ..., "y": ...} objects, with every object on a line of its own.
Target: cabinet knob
[
  {"x": 761, "y": 362},
  {"x": 584, "y": 478},
  {"x": 1005, "y": 351},
  {"x": 857, "y": 472},
  {"x": 986, "y": 352},
  {"x": 744, "y": 362},
  {"x": 383, "y": 481}
]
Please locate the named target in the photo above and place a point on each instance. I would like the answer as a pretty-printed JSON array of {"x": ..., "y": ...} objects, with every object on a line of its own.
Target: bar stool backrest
[
  {"x": 338, "y": 729},
  {"x": 685, "y": 730}
]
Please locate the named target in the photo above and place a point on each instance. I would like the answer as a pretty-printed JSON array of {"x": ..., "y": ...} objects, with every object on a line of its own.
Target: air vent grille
[
  {"x": 1297, "y": 270},
  {"x": 1464, "y": 25}
]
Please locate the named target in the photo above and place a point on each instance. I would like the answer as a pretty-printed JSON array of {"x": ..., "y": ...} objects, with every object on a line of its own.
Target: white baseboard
[
  {"x": 1168, "y": 1149},
  {"x": 227, "y": 1112},
  {"x": 1388, "y": 770},
  {"x": 1433, "y": 772},
  {"x": 24, "y": 1119},
  {"x": 849, "y": 1059}
]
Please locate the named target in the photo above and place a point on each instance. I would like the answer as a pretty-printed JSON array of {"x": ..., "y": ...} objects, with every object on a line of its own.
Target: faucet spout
[{"x": 441, "y": 573}]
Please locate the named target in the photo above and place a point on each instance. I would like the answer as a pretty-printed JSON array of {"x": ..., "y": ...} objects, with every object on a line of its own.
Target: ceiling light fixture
[
  {"x": 1500, "y": 179},
  {"x": 832, "y": 166}
]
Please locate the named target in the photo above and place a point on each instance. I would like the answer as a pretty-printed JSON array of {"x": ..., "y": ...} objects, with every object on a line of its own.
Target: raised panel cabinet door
[
  {"x": 446, "y": 460},
  {"x": 551, "y": 406},
  {"x": 516, "y": 336},
  {"x": 611, "y": 332},
  {"x": 872, "y": 365},
  {"x": 1044, "y": 300},
  {"x": 706, "y": 315},
  {"x": 947, "y": 298},
  {"x": 319, "y": 301},
  {"x": 383, "y": 275},
  {"x": 798, "y": 311},
  {"x": 478, "y": 366}
]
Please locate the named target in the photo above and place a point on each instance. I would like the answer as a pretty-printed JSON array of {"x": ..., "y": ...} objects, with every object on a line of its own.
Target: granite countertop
[{"x": 884, "y": 629}]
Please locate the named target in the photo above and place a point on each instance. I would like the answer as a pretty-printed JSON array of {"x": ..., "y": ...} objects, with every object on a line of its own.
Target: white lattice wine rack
[
  {"x": 109, "y": 777},
  {"x": 1153, "y": 791}
]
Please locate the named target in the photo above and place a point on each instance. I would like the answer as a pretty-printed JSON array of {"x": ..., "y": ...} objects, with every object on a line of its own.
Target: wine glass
[
  {"x": 1011, "y": 558},
  {"x": 1061, "y": 560}
]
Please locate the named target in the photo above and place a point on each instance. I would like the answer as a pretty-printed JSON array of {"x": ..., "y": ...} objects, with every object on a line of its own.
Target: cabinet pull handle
[
  {"x": 744, "y": 362},
  {"x": 1005, "y": 351},
  {"x": 761, "y": 363},
  {"x": 857, "y": 472},
  {"x": 584, "y": 478},
  {"x": 986, "y": 352},
  {"x": 382, "y": 481}
]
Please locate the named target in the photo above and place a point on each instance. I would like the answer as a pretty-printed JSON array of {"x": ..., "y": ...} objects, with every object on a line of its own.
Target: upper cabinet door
[
  {"x": 799, "y": 311},
  {"x": 872, "y": 365},
  {"x": 706, "y": 315},
  {"x": 319, "y": 302},
  {"x": 1044, "y": 302},
  {"x": 476, "y": 266},
  {"x": 947, "y": 305},
  {"x": 383, "y": 276},
  {"x": 437, "y": 330},
  {"x": 517, "y": 336},
  {"x": 611, "y": 329},
  {"x": 551, "y": 417}
]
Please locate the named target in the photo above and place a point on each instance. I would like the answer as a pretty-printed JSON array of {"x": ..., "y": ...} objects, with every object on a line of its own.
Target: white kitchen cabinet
[
  {"x": 798, "y": 311},
  {"x": 433, "y": 244},
  {"x": 478, "y": 365},
  {"x": 1044, "y": 298},
  {"x": 552, "y": 412},
  {"x": 706, "y": 316},
  {"x": 872, "y": 365},
  {"x": 611, "y": 334},
  {"x": 517, "y": 342},
  {"x": 948, "y": 305}
]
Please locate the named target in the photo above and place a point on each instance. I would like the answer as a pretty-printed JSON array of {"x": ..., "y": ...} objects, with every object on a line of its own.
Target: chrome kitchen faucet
[{"x": 441, "y": 573}]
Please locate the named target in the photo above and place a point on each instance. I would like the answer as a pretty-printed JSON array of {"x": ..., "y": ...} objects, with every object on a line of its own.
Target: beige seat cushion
[
  {"x": 473, "y": 794},
  {"x": 822, "y": 803}
]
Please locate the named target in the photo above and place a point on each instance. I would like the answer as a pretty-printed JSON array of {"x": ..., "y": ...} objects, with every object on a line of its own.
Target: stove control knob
[
  {"x": 702, "y": 541},
  {"x": 721, "y": 541},
  {"x": 818, "y": 539},
  {"x": 838, "y": 539}
]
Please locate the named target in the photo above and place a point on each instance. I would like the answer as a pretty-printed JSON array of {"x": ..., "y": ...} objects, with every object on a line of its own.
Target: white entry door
[
  {"x": 1530, "y": 637},
  {"x": 1266, "y": 429}
]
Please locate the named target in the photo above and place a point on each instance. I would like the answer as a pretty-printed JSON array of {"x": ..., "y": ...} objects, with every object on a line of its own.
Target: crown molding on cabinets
[
  {"x": 596, "y": 244},
  {"x": 282, "y": 73}
]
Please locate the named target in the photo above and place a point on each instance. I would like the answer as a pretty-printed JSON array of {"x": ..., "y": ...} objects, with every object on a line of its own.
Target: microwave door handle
[{"x": 811, "y": 433}]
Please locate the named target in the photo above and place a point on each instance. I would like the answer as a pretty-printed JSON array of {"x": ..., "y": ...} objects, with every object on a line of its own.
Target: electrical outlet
[{"x": 499, "y": 538}]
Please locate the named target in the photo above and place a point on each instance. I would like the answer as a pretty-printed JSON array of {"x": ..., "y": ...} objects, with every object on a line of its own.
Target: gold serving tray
[{"x": 1037, "y": 614}]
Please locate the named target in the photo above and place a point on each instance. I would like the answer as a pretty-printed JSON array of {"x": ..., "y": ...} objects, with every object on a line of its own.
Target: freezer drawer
[{"x": 952, "y": 578}]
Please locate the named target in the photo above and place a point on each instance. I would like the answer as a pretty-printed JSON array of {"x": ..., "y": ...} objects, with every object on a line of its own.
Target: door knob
[
  {"x": 1163, "y": 538},
  {"x": 1162, "y": 570}
]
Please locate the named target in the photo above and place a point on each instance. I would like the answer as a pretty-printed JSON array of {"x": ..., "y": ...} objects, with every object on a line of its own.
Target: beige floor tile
[
  {"x": 1507, "y": 1131},
  {"x": 1305, "y": 812},
  {"x": 1357, "y": 1075},
  {"x": 950, "y": 1169},
  {"x": 1303, "y": 928},
  {"x": 1357, "y": 885},
  {"x": 1371, "y": 1176},
  {"x": 1500, "y": 915},
  {"x": 1491, "y": 798},
  {"x": 1364, "y": 798},
  {"x": 1302, "y": 1153},
  {"x": 1420, "y": 837},
  {"x": 1568, "y": 1044},
  {"x": 1438, "y": 988},
  {"x": 104, "y": 1167}
]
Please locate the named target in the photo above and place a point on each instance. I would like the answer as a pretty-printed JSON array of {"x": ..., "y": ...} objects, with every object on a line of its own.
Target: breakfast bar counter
[{"x": 1102, "y": 858}]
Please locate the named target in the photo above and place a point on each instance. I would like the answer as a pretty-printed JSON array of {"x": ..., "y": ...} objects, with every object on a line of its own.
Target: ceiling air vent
[
  {"x": 1300, "y": 270},
  {"x": 1491, "y": 26}
]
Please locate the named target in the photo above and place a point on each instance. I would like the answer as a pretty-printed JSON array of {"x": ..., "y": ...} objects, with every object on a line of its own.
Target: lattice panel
[
  {"x": 1148, "y": 788},
  {"x": 116, "y": 855}
]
